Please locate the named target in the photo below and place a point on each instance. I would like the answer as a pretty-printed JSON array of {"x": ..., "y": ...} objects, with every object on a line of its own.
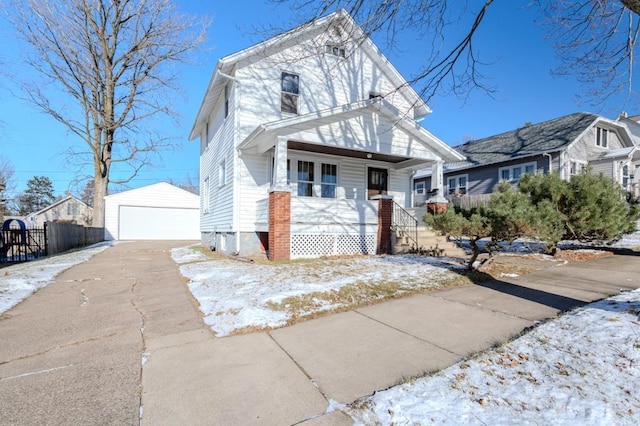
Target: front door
[{"x": 376, "y": 181}]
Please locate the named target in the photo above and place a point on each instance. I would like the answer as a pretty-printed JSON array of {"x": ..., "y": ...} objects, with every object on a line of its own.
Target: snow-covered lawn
[
  {"x": 581, "y": 369},
  {"x": 234, "y": 295},
  {"x": 20, "y": 281}
]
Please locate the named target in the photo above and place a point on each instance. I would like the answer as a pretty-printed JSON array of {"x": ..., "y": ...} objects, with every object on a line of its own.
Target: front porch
[{"x": 305, "y": 227}]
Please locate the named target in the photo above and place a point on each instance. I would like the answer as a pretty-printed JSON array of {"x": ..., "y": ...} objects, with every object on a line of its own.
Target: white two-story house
[{"x": 309, "y": 141}]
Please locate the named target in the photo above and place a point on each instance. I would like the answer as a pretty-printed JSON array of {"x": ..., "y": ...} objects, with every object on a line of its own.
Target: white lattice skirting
[{"x": 317, "y": 245}]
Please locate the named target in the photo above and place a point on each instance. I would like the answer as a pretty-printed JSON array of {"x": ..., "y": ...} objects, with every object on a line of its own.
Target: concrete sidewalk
[
  {"x": 296, "y": 374},
  {"x": 119, "y": 340}
]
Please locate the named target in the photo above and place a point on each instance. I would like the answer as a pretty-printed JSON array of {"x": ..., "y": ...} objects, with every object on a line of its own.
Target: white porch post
[
  {"x": 280, "y": 166},
  {"x": 437, "y": 181}
]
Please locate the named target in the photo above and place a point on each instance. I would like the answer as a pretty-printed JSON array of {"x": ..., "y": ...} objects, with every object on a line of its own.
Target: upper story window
[
  {"x": 602, "y": 137},
  {"x": 513, "y": 173},
  {"x": 206, "y": 134},
  {"x": 72, "y": 209},
  {"x": 226, "y": 101},
  {"x": 457, "y": 184},
  {"x": 290, "y": 93},
  {"x": 337, "y": 50}
]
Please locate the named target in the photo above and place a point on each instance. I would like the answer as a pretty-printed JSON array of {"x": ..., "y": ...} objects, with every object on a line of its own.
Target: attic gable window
[
  {"x": 337, "y": 50},
  {"x": 602, "y": 137},
  {"x": 290, "y": 93}
]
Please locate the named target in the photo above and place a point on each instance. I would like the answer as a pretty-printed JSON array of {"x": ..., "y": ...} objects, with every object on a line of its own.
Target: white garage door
[{"x": 158, "y": 223}]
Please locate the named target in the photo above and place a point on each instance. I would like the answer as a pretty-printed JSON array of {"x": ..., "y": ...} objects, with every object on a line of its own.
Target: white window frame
[
  {"x": 419, "y": 188},
  {"x": 510, "y": 170},
  {"x": 456, "y": 189},
  {"x": 602, "y": 137},
  {"x": 328, "y": 184},
  {"x": 336, "y": 49},
  {"x": 579, "y": 166},
  {"x": 285, "y": 93},
  {"x": 222, "y": 173},
  {"x": 205, "y": 195},
  {"x": 226, "y": 100},
  {"x": 305, "y": 182},
  {"x": 316, "y": 184},
  {"x": 206, "y": 135}
]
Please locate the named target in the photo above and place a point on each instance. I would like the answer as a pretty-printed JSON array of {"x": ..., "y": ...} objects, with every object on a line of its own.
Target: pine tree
[{"x": 38, "y": 195}]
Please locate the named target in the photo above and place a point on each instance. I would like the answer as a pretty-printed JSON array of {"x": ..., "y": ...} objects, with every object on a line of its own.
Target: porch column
[
  {"x": 385, "y": 221},
  {"x": 279, "y": 225},
  {"x": 437, "y": 203},
  {"x": 437, "y": 178},
  {"x": 280, "y": 206},
  {"x": 280, "y": 166}
]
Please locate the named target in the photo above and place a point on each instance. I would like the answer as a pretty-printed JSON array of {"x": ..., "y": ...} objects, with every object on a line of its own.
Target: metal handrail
[{"x": 404, "y": 221}]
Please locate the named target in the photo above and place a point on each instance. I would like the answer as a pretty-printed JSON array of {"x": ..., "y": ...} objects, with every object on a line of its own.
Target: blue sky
[{"x": 520, "y": 63}]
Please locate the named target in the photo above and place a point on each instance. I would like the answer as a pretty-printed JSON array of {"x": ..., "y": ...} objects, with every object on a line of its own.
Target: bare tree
[
  {"x": 595, "y": 39},
  {"x": 6, "y": 183},
  {"x": 595, "y": 42},
  {"x": 115, "y": 61}
]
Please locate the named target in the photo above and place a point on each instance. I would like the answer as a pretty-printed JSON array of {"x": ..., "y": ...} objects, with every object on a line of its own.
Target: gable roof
[
  {"x": 356, "y": 109},
  {"x": 57, "y": 203},
  {"x": 546, "y": 137},
  {"x": 226, "y": 65}
]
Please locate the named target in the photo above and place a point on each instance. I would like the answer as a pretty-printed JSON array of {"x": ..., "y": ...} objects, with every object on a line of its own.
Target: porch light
[{"x": 369, "y": 155}]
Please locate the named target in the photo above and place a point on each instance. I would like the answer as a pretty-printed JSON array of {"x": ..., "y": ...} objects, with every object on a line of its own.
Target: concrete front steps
[{"x": 430, "y": 243}]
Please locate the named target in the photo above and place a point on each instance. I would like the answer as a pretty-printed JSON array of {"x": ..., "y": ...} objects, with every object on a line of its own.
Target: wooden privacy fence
[
  {"x": 65, "y": 236},
  {"x": 21, "y": 244}
]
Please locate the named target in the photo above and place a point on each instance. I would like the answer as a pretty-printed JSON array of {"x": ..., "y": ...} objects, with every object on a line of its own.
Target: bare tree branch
[{"x": 115, "y": 61}]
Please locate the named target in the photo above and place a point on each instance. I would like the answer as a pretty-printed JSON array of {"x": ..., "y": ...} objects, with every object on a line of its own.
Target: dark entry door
[{"x": 376, "y": 181}]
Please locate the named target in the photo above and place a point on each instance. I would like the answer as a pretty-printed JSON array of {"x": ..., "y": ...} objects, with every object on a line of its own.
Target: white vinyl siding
[
  {"x": 216, "y": 164},
  {"x": 320, "y": 87}
]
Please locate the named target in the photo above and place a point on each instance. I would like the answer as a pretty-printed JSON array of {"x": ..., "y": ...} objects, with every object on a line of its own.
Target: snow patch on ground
[
  {"x": 235, "y": 295},
  {"x": 17, "y": 282},
  {"x": 583, "y": 368}
]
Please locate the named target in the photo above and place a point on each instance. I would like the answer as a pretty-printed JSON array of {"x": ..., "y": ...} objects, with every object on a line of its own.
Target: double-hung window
[
  {"x": 290, "y": 93},
  {"x": 514, "y": 173},
  {"x": 602, "y": 137},
  {"x": 226, "y": 101},
  {"x": 457, "y": 184},
  {"x": 328, "y": 180},
  {"x": 305, "y": 178}
]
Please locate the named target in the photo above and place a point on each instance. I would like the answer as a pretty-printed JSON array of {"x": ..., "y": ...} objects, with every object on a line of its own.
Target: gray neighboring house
[
  {"x": 68, "y": 209},
  {"x": 565, "y": 145}
]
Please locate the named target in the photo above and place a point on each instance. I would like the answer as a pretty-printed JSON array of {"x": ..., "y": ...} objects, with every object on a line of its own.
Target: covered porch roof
[{"x": 362, "y": 129}]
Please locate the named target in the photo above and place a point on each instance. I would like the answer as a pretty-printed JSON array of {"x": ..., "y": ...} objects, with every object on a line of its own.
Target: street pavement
[{"x": 120, "y": 340}]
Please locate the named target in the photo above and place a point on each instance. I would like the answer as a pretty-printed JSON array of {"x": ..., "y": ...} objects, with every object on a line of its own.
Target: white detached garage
[{"x": 156, "y": 212}]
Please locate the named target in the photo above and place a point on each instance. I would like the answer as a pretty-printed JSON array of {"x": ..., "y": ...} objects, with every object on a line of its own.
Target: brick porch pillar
[
  {"x": 279, "y": 225},
  {"x": 385, "y": 220}
]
